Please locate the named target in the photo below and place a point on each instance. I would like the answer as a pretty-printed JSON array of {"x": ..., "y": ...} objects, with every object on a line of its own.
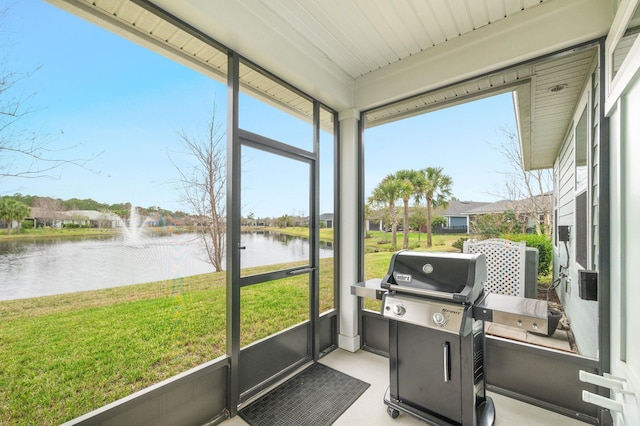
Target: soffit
[
  {"x": 545, "y": 95},
  {"x": 554, "y": 94}
]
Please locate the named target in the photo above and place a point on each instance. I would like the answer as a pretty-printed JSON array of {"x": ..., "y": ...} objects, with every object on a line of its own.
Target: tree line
[
  {"x": 70, "y": 204},
  {"x": 429, "y": 184},
  {"x": 18, "y": 207}
]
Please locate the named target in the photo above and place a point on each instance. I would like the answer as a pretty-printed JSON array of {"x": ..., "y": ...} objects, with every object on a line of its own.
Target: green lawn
[
  {"x": 377, "y": 241},
  {"x": 381, "y": 241},
  {"x": 45, "y": 233},
  {"x": 25, "y": 234},
  {"x": 63, "y": 356}
]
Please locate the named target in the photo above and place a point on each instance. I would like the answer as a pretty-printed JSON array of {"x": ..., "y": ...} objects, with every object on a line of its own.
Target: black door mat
[{"x": 316, "y": 396}]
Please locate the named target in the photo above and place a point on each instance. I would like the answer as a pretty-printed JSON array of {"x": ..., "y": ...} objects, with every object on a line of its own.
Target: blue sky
[
  {"x": 463, "y": 140},
  {"x": 96, "y": 95}
]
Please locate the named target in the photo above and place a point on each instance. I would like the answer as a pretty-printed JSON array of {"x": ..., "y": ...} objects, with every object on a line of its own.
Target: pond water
[{"x": 55, "y": 266}]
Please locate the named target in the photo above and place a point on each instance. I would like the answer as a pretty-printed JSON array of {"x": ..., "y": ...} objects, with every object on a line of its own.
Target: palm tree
[
  {"x": 413, "y": 183},
  {"x": 386, "y": 194},
  {"x": 437, "y": 191},
  {"x": 11, "y": 210}
]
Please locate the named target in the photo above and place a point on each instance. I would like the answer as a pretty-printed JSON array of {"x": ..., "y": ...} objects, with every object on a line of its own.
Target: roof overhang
[
  {"x": 545, "y": 92},
  {"x": 366, "y": 56}
]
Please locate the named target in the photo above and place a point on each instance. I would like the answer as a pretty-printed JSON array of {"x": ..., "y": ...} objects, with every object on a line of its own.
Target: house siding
[
  {"x": 566, "y": 177},
  {"x": 596, "y": 112},
  {"x": 582, "y": 314}
]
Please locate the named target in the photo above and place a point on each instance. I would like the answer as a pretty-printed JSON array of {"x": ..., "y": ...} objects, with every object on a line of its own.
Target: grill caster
[{"x": 393, "y": 412}]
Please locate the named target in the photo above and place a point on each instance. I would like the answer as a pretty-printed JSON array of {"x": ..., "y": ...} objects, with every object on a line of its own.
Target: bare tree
[
  {"x": 528, "y": 190},
  {"x": 104, "y": 219},
  {"x": 24, "y": 153},
  {"x": 203, "y": 187},
  {"x": 50, "y": 209}
]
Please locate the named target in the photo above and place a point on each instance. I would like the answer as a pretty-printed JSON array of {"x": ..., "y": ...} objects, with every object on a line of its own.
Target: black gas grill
[{"x": 436, "y": 347}]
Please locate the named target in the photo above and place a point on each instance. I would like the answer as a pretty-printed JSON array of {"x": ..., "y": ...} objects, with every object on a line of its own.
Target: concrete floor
[{"x": 370, "y": 409}]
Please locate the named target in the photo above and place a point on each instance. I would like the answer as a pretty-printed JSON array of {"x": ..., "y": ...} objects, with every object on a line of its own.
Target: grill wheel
[{"x": 393, "y": 412}]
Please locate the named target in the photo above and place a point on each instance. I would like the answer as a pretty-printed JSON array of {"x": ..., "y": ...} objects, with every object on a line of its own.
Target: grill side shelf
[
  {"x": 513, "y": 311},
  {"x": 369, "y": 289}
]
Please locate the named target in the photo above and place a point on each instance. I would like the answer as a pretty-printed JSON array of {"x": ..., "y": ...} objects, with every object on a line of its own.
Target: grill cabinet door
[{"x": 428, "y": 376}]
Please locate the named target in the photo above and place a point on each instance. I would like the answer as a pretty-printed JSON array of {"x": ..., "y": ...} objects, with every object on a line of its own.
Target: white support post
[{"x": 348, "y": 337}]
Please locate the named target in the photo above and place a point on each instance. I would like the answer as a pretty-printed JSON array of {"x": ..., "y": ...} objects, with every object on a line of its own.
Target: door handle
[
  {"x": 301, "y": 271},
  {"x": 446, "y": 362},
  {"x": 242, "y": 247}
]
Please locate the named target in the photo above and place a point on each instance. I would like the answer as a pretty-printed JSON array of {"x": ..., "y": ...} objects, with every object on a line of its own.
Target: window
[{"x": 581, "y": 190}]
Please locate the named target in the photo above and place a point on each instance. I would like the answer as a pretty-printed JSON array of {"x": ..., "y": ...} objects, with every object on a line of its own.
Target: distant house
[
  {"x": 457, "y": 215},
  {"x": 5, "y": 224},
  {"x": 95, "y": 218},
  {"x": 302, "y": 221},
  {"x": 374, "y": 221},
  {"x": 327, "y": 220},
  {"x": 46, "y": 217},
  {"x": 522, "y": 208},
  {"x": 460, "y": 214},
  {"x": 57, "y": 219}
]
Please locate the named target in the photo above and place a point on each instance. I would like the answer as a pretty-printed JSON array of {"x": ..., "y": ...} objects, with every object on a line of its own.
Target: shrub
[
  {"x": 459, "y": 243},
  {"x": 438, "y": 222},
  {"x": 495, "y": 224},
  {"x": 544, "y": 246}
]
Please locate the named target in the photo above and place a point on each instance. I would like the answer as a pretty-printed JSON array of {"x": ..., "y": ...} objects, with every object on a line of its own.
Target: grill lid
[{"x": 450, "y": 276}]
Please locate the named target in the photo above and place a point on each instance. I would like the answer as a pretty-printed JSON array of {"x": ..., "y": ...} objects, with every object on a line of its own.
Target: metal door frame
[{"x": 236, "y": 138}]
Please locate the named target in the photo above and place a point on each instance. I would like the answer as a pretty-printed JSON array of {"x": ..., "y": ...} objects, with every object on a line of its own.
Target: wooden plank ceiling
[{"x": 362, "y": 36}]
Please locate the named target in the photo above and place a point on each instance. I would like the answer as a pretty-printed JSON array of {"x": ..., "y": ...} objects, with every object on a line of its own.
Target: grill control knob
[
  {"x": 439, "y": 319},
  {"x": 399, "y": 310}
]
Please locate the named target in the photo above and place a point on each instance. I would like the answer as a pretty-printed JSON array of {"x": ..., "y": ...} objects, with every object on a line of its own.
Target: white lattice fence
[{"x": 505, "y": 264}]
